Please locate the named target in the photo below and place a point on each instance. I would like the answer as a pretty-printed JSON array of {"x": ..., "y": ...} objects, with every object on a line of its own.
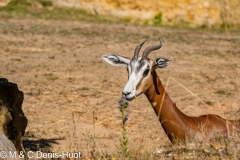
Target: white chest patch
[{"x": 154, "y": 104}]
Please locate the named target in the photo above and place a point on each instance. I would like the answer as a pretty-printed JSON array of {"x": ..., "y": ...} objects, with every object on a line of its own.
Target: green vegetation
[
  {"x": 209, "y": 103},
  {"x": 46, "y": 3},
  {"x": 222, "y": 92},
  {"x": 146, "y": 22},
  {"x": 124, "y": 151},
  {"x": 44, "y": 9},
  {"x": 157, "y": 20},
  {"x": 84, "y": 88}
]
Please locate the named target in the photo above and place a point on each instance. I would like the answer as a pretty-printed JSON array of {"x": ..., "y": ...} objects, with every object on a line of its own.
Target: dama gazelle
[{"x": 142, "y": 78}]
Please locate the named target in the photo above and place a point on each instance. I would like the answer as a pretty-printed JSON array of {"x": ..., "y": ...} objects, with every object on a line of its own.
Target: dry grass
[{"x": 71, "y": 95}]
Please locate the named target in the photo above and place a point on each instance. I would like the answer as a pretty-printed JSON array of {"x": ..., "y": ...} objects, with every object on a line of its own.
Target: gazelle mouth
[{"x": 131, "y": 98}]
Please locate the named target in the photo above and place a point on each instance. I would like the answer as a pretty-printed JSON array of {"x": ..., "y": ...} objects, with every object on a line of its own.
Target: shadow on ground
[{"x": 37, "y": 144}]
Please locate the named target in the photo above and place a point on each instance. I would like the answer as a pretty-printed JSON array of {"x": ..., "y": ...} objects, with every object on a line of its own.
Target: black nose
[{"x": 125, "y": 94}]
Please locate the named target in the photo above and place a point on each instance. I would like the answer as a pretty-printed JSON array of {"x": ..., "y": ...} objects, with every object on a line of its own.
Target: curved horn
[
  {"x": 151, "y": 48},
  {"x": 138, "y": 48}
]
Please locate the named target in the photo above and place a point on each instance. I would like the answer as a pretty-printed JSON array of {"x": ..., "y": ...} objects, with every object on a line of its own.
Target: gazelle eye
[{"x": 145, "y": 73}]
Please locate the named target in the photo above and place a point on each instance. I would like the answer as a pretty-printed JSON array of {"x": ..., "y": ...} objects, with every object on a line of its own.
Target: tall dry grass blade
[
  {"x": 194, "y": 95},
  {"x": 159, "y": 111}
]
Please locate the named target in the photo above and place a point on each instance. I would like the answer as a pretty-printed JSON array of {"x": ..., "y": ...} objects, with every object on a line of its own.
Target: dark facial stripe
[{"x": 141, "y": 64}]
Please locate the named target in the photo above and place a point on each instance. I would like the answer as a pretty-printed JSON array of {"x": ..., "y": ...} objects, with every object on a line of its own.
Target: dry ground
[{"x": 71, "y": 94}]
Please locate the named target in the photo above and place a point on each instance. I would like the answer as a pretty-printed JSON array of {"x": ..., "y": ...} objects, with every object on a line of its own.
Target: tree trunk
[{"x": 12, "y": 119}]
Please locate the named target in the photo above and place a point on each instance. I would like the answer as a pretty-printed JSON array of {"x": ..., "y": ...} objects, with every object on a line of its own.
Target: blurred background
[{"x": 181, "y": 13}]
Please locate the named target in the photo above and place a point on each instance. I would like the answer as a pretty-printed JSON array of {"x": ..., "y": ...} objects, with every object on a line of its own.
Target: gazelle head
[{"x": 139, "y": 69}]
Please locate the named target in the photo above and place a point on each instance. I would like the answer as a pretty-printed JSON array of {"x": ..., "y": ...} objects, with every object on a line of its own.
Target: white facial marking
[
  {"x": 154, "y": 104},
  {"x": 136, "y": 70}
]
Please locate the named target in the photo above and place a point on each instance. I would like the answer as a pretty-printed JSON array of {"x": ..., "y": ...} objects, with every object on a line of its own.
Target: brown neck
[{"x": 173, "y": 121}]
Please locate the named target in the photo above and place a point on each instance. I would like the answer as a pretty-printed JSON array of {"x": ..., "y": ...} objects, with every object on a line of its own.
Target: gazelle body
[{"x": 142, "y": 78}]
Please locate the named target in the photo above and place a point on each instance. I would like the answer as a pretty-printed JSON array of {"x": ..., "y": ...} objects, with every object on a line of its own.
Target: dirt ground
[{"x": 71, "y": 95}]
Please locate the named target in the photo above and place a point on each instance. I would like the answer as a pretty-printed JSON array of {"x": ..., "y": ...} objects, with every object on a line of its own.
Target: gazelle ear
[
  {"x": 161, "y": 62},
  {"x": 116, "y": 60}
]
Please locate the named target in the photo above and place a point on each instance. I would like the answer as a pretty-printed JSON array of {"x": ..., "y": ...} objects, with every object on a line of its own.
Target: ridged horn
[
  {"x": 138, "y": 48},
  {"x": 150, "y": 49}
]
